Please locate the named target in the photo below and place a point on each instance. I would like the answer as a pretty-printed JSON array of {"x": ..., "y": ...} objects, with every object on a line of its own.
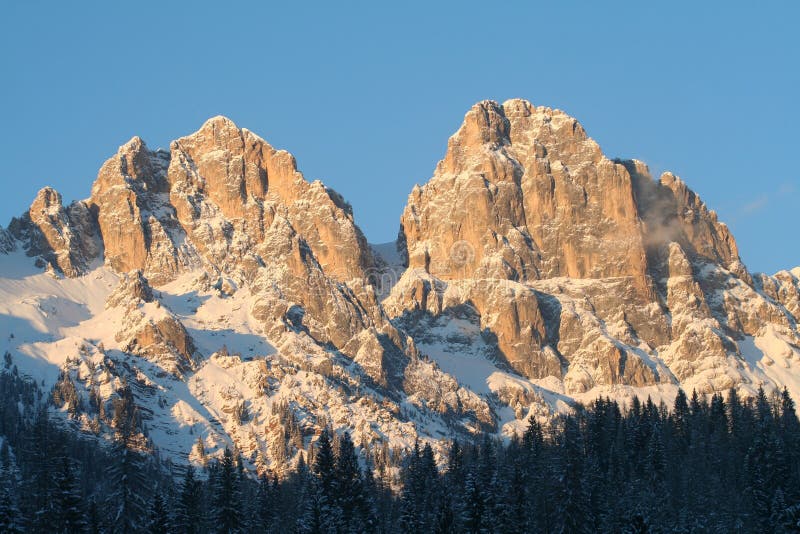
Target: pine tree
[
  {"x": 696, "y": 406},
  {"x": 308, "y": 514},
  {"x": 455, "y": 464},
  {"x": 517, "y": 498},
  {"x": 371, "y": 494},
  {"x": 454, "y": 479},
  {"x": 10, "y": 516},
  {"x": 789, "y": 422},
  {"x": 126, "y": 476},
  {"x": 427, "y": 487},
  {"x": 189, "y": 517},
  {"x": 324, "y": 498},
  {"x": 533, "y": 438},
  {"x": 680, "y": 422},
  {"x": 226, "y": 499},
  {"x": 348, "y": 487},
  {"x": 68, "y": 501},
  {"x": 325, "y": 465},
  {"x": 94, "y": 523},
  {"x": 445, "y": 518},
  {"x": 264, "y": 504},
  {"x": 574, "y": 512},
  {"x": 158, "y": 522},
  {"x": 40, "y": 475},
  {"x": 655, "y": 484},
  {"x": 473, "y": 505},
  {"x": 789, "y": 427},
  {"x": 412, "y": 508}
]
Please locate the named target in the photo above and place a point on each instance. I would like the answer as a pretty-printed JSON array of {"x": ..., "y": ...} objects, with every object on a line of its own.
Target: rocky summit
[{"x": 243, "y": 306}]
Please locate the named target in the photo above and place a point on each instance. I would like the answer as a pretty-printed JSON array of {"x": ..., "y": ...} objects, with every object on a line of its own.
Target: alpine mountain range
[{"x": 243, "y": 307}]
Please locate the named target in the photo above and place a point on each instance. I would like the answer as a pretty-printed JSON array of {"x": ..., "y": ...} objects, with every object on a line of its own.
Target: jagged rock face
[
  {"x": 133, "y": 287},
  {"x": 225, "y": 202},
  {"x": 65, "y": 238},
  {"x": 627, "y": 280},
  {"x": 138, "y": 225},
  {"x": 236, "y": 196},
  {"x": 149, "y": 330},
  {"x": 783, "y": 288},
  {"x": 508, "y": 313},
  {"x": 524, "y": 194},
  {"x": 223, "y": 198},
  {"x": 672, "y": 212}
]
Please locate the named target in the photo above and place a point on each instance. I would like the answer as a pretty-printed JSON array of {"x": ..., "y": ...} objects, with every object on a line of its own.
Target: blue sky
[{"x": 365, "y": 95}]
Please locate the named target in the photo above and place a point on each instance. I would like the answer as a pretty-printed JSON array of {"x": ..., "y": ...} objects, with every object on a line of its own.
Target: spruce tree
[
  {"x": 324, "y": 499},
  {"x": 10, "y": 516},
  {"x": 789, "y": 427},
  {"x": 40, "y": 475},
  {"x": 574, "y": 512},
  {"x": 454, "y": 479},
  {"x": 94, "y": 524},
  {"x": 445, "y": 518},
  {"x": 126, "y": 476},
  {"x": 348, "y": 487},
  {"x": 325, "y": 465},
  {"x": 473, "y": 511},
  {"x": 226, "y": 499},
  {"x": 517, "y": 497},
  {"x": 158, "y": 522},
  {"x": 68, "y": 501},
  {"x": 264, "y": 504},
  {"x": 189, "y": 516}
]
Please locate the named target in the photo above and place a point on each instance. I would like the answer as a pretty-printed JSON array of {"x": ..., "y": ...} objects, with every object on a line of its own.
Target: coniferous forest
[{"x": 721, "y": 464}]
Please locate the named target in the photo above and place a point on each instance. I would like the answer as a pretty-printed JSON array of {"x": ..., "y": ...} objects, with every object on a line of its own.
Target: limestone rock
[
  {"x": 608, "y": 276},
  {"x": 524, "y": 194},
  {"x": 148, "y": 329},
  {"x": 783, "y": 288},
  {"x": 138, "y": 225},
  {"x": 230, "y": 187},
  {"x": 64, "y": 238},
  {"x": 133, "y": 287}
]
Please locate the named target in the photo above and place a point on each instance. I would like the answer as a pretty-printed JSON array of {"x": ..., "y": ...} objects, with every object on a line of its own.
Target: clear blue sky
[{"x": 366, "y": 95}]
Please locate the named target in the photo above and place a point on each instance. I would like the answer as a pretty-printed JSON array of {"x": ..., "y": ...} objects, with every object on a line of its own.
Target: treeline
[{"x": 718, "y": 465}]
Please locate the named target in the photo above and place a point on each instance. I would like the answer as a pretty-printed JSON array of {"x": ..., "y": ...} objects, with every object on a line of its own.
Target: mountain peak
[
  {"x": 133, "y": 145},
  {"x": 219, "y": 122},
  {"x": 217, "y": 127},
  {"x": 47, "y": 200}
]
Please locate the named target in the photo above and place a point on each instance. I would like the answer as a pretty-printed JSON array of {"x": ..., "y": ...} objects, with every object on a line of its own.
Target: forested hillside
[{"x": 718, "y": 464}]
